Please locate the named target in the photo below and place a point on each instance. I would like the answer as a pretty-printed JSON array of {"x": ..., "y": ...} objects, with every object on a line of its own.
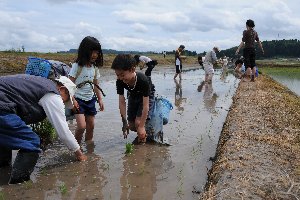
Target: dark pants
[
  {"x": 150, "y": 66},
  {"x": 249, "y": 57},
  {"x": 178, "y": 69},
  {"x": 15, "y": 134}
]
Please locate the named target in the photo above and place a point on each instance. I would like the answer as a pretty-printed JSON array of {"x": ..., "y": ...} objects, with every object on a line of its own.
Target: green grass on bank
[
  {"x": 292, "y": 72},
  {"x": 280, "y": 62}
]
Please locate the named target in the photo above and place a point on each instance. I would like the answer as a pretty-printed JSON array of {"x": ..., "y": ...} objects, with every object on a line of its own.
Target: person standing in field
[
  {"x": 248, "y": 40},
  {"x": 85, "y": 74},
  {"x": 209, "y": 61},
  {"x": 178, "y": 61},
  {"x": 224, "y": 63}
]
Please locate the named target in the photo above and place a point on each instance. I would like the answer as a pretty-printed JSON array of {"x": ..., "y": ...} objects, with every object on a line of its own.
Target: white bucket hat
[{"x": 71, "y": 88}]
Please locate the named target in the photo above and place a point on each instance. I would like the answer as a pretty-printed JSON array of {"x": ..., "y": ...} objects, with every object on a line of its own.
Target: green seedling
[
  {"x": 28, "y": 184},
  {"x": 63, "y": 188},
  {"x": 2, "y": 195},
  {"x": 129, "y": 148},
  {"x": 45, "y": 131},
  {"x": 44, "y": 171}
]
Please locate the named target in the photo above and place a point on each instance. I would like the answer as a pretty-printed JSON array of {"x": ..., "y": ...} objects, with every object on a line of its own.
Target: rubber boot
[
  {"x": 5, "y": 157},
  {"x": 23, "y": 167}
]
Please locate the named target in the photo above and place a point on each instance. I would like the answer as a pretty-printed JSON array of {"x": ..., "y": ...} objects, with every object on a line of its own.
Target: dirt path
[{"x": 258, "y": 155}]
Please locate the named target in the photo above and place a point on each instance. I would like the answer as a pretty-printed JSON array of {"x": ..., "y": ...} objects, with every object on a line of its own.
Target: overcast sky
[{"x": 144, "y": 25}]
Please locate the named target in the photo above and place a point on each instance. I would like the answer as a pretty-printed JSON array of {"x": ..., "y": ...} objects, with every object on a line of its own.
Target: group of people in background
[
  {"x": 28, "y": 99},
  {"x": 245, "y": 66}
]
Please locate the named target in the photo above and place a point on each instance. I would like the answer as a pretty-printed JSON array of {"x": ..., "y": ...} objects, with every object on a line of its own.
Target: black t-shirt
[
  {"x": 142, "y": 87},
  {"x": 249, "y": 37}
]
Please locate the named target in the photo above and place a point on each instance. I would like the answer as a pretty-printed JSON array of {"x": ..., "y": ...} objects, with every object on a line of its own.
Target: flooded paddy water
[
  {"x": 291, "y": 83},
  {"x": 288, "y": 76},
  {"x": 178, "y": 171}
]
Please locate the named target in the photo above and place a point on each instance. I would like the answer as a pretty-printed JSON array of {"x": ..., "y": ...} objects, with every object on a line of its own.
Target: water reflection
[
  {"x": 82, "y": 180},
  {"x": 141, "y": 171},
  {"x": 209, "y": 97},
  {"x": 224, "y": 75},
  {"x": 290, "y": 82},
  {"x": 178, "y": 95},
  {"x": 64, "y": 178}
]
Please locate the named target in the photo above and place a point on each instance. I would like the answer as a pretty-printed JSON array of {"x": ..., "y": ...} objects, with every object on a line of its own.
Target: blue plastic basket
[
  {"x": 38, "y": 67},
  {"x": 166, "y": 108}
]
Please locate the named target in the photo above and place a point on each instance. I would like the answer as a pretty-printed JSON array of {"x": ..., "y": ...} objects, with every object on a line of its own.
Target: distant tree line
[
  {"x": 273, "y": 49},
  {"x": 18, "y": 50},
  {"x": 186, "y": 53}
]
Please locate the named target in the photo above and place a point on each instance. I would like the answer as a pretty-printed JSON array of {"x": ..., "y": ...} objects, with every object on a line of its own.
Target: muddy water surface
[
  {"x": 152, "y": 171},
  {"x": 291, "y": 82}
]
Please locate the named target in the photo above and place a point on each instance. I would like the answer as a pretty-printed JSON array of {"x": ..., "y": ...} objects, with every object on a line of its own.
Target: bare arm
[
  {"x": 122, "y": 107},
  {"x": 238, "y": 49},
  {"x": 76, "y": 105},
  {"x": 98, "y": 94},
  {"x": 261, "y": 47},
  {"x": 72, "y": 79}
]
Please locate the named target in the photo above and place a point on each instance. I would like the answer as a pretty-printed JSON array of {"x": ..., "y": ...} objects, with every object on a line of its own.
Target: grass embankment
[
  {"x": 280, "y": 63},
  {"x": 291, "y": 72},
  {"x": 258, "y": 152},
  {"x": 16, "y": 62}
]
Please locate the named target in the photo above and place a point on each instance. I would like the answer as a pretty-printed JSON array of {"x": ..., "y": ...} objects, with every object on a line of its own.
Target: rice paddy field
[{"x": 230, "y": 140}]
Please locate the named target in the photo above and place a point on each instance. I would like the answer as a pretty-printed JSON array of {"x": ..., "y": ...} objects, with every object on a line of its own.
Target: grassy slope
[
  {"x": 278, "y": 63},
  {"x": 292, "y": 72}
]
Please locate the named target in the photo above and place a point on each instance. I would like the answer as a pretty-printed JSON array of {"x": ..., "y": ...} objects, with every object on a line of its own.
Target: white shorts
[{"x": 208, "y": 68}]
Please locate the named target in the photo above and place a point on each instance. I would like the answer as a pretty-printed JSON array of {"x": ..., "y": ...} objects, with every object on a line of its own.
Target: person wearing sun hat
[{"x": 27, "y": 99}]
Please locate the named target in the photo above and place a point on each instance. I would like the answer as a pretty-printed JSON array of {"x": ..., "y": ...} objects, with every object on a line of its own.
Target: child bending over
[{"x": 139, "y": 88}]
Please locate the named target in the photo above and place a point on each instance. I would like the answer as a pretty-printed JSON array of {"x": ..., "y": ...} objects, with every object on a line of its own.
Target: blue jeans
[{"x": 15, "y": 134}]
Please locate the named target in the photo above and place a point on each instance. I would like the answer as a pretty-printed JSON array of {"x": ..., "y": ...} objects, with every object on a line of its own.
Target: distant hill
[
  {"x": 273, "y": 49},
  {"x": 112, "y": 51}
]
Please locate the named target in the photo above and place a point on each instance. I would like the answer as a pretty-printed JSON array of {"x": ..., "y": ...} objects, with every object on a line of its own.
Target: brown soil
[{"x": 258, "y": 154}]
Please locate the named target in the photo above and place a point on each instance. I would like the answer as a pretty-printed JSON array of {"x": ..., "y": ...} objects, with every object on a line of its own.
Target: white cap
[{"x": 71, "y": 88}]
